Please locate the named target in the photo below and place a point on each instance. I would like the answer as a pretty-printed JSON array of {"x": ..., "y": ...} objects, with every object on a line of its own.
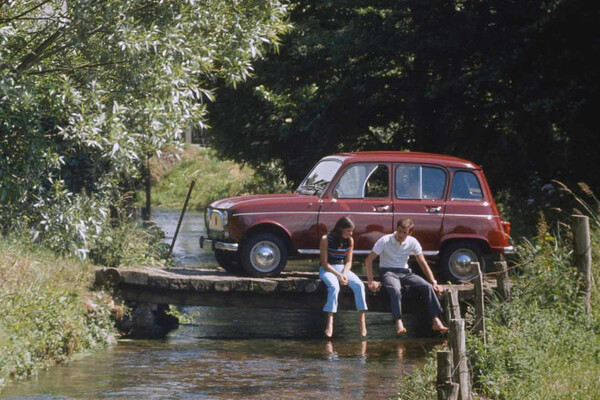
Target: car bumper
[
  {"x": 510, "y": 250},
  {"x": 210, "y": 244}
]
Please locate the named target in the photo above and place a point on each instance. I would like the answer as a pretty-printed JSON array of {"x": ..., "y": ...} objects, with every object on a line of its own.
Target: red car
[{"x": 448, "y": 199}]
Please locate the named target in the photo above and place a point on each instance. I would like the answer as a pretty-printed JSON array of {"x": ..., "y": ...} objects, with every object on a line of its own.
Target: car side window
[
  {"x": 465, "y": 186},
  {"x": 434, "y": 183},
  {"x": 364, "y": 180},
  {"x": 420, "y": 182}
]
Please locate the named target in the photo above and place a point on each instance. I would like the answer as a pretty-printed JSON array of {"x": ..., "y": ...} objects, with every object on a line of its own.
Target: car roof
[{"x": 407, "y": 156}]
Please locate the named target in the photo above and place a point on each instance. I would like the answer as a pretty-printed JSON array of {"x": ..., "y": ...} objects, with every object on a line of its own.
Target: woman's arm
[
  {"x": 324, "y": 263},
  {"x": 348, "y": 264}
]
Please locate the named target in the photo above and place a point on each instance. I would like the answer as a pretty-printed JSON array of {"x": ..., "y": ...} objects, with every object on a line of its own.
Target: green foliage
[
  {"x": 541, "y": 344},
  {"x": 128, "y": 243},
  {"x": 46, "y": 310},
  {"x": 88, "y": 88},
  {"x": 420, "y": 383},
  {"x": 173, "y": 172},
  {"x": 473, "y": 79}
]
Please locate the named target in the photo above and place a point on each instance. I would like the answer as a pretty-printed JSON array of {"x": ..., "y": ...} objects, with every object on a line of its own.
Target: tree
[
  {"x": 510, "y": 85},
  {"x": 87, "y": 88}
]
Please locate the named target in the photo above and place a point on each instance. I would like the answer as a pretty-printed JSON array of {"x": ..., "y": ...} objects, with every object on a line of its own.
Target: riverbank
[
  {"x": 540, "y": 345},
  {"x": 47, "y": 310},
  {"x": 172, "y": 173}
]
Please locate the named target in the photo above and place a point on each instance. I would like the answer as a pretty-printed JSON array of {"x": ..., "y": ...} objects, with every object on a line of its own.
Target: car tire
[
  {"x": 263, "y": 254},
  {"x": 229, "y": 261},
  {"x": 456, "y": 258}
]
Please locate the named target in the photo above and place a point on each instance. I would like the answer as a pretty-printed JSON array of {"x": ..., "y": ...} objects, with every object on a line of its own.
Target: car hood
[{"x": 259, "y": 201}]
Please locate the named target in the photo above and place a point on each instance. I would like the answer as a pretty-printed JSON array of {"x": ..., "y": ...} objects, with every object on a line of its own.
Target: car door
[
  {"x": 363, "y": 193},
  {"x": 419, "y": 194}
]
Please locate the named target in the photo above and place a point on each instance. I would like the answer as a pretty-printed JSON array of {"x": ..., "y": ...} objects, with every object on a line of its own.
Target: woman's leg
[
  {"x": 358, "y": 287},
  {"x": 333, "y": 290}
]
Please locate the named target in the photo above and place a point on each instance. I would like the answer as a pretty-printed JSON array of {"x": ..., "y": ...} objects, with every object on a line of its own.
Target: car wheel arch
[{"x": 275, "y": 229}]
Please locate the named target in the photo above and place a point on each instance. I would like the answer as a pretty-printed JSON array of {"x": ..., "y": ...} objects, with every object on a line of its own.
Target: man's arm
[
  {"x": 427, "y": 271},
  {"x": 374, "y": 286}
]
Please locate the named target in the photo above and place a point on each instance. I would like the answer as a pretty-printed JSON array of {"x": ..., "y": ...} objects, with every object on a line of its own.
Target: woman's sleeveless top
[{"x": 336, "y": 249}]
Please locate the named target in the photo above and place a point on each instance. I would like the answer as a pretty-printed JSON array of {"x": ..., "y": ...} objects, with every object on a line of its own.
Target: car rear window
[{"x": 465, "y": 186}]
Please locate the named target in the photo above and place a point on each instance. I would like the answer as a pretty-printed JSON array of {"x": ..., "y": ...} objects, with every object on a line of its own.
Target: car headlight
[
  {"x": 207, "y": 213},
  {"x": 225, "y": 218}
]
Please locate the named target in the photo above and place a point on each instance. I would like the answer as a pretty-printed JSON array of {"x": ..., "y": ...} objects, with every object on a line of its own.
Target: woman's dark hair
[{"x": 340, "y": 225}]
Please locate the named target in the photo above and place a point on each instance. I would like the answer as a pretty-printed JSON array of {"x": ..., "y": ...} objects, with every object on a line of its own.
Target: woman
[{"x": 336, "y": 261}]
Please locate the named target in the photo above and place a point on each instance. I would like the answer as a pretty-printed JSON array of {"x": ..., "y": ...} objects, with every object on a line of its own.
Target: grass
[
  {"x": 540, "y": 345},
  {"x": 47, "y": 311},
  {"x": 172, "y": 173}
]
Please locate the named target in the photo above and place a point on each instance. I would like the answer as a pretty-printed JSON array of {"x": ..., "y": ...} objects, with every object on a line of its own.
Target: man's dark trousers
[{"x": 401, "y": 281}]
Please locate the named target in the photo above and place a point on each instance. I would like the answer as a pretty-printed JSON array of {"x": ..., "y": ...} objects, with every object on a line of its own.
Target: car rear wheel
[
  {"x": 264, "y": 254},
  {"x": 229, "y": 261},
  {"x": 457, "y": 258}
]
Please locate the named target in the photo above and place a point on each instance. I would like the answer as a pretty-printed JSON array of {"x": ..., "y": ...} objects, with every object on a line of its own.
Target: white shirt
[{"x": 393, "y": 254}]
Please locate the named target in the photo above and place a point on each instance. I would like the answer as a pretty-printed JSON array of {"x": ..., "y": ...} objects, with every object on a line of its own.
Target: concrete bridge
[{"x": 150, "y": 290}]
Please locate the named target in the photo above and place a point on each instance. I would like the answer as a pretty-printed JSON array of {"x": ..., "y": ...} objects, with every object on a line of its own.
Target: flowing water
[{"x": 237, "y": 354}]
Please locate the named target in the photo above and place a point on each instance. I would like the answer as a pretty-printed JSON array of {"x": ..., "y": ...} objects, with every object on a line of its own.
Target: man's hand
[
  {"x": 437, "y": 288},
  {"x": 374, "y": 286}
]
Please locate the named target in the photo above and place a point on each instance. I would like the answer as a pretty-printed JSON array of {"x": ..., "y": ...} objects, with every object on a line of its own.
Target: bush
[{"x": 47, "y": 312}]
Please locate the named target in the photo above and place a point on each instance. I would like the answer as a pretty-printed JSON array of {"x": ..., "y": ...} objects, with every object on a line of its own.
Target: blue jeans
[{"x": 333, "y": 288}]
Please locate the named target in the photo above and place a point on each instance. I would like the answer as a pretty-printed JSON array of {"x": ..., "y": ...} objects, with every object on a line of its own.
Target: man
[{"x": 395, "y": 275}]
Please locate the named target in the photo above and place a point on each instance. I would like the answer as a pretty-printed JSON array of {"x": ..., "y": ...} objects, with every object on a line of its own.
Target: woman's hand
[{"x": 343, "y": 279}]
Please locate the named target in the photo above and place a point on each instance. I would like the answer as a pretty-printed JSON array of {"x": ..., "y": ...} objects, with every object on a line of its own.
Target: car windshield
[{"x": 320, "y": 176}]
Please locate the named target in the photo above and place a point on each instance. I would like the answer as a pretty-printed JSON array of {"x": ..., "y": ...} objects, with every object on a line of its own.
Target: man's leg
[
  {"x": 391, "y": 282},
  {"x": 419, "y": 288}
]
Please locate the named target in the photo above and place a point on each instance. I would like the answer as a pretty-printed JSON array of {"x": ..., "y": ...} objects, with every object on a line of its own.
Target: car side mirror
[{"x": 335, "y": 194}]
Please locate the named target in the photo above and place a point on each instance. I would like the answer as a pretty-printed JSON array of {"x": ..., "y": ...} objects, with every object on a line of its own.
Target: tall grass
[
  {"x": 47, "y": 311},
  {"x": 540, "y": 345},
  {"x": 172, "y": 173}
]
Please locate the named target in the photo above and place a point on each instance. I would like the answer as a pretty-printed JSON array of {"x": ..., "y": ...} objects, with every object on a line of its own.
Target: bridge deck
[{"x": 291, "y": 290}]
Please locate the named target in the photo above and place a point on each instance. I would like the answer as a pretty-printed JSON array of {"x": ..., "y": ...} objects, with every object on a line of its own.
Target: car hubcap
[
  {"x": 461, "y": 263},
  {"x": 265, "y": 256}
]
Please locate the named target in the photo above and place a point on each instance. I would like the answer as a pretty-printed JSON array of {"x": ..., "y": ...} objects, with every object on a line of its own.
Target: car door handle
[
  {"x": 434, "y": 209},
  {"x": 381, "y": 208}
]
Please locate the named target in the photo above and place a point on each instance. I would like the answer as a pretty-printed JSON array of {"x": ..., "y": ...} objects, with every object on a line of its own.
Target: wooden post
[
  {"x": 452, "y": 310},
  {"x": 147, "y": 211},
  {"x": 479, "y": 325},
  {"x": 445, "y": 388},
  {"x": 459, "y": 355},
  {"x": 503, "y": 285},
  {"x": 583, "y": 254},
  {"x": 187, "y": 199}
]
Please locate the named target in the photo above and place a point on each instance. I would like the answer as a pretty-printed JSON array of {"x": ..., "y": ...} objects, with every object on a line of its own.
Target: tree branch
[
  {"x": 36, "y": 55},
  {"x": 23, "y": 13}
]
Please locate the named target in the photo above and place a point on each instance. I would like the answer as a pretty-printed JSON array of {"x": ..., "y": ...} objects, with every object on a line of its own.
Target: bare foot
[
  {"x": 329, "y": 326},
  {"x": 362, "y": 324},
  {"x": 438, "y": 326},
  {"x": 400, "y": 329}
]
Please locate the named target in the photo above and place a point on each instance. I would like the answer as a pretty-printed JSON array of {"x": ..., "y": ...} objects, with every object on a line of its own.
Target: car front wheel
[
  {"x": 457, "y": 258},
  {"x": 263, "y": 254}
]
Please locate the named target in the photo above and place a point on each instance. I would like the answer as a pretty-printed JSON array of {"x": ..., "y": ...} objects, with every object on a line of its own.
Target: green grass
[
  {"x": 215, "y": 179},
  {"x": 172, "y": 173},
  {"x": 47, "y": 311}
]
